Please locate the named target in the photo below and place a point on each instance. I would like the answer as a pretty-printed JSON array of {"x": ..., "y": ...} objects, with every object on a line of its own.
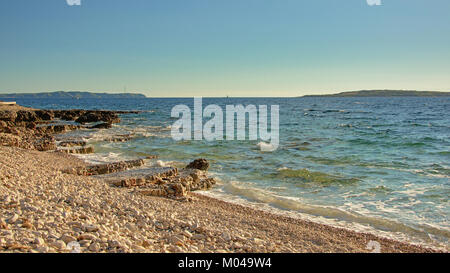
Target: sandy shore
[{"x": 44, "y": 210}]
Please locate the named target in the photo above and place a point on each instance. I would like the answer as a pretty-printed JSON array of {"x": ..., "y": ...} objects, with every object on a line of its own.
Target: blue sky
[{"x": 170, "y": 48}]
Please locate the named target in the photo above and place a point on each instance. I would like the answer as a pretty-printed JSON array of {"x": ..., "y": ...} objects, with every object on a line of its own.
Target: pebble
[
  {"x": 67, "y": 238},
  {"x": 13, "y": 219},
  {"x": 198, "y": 237},
  {"x": 59, "y": 245},
  {"x": 90, "y": 228},
  {"x": 3, "y": 224},
  {"x": 42, "y": 249},
  {"x": 39, "y": 241},
  {"x": 187, "y": 234},
  {"x": 95, "y": 247},
  {"x": 176, "y": 240},
  {"x": 226, "y": 236},
  {"x": 87, "y": 236}
]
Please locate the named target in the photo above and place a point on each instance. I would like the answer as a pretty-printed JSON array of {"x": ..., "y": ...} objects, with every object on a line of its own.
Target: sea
[{"x": 372, "y": 164}]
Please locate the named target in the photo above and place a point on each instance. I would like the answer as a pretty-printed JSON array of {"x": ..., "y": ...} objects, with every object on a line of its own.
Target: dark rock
[
  {"x": 45, "y": 115},
  {"x": 199, "y": 164},
  {"x": 68, "y": 115},
  {"x": 103, "y": 125},
  {"x": 45, "y": 143},
  {"x": 26, "y": 116},
  {"x": 22, "y": 128},
  {"x": 8, "y": 115},
  {"x": 30, "y": 125},
  {"x": 96, "y": 116},
  {"x": 72, "y": 143}
]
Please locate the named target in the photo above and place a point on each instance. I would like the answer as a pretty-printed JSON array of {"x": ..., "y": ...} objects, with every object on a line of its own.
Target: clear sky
[{"x": 169, "y": 48}]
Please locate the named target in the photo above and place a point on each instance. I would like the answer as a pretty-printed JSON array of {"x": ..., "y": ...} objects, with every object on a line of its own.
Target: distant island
[
  {"x": 71, "y": 95},
  {"x": 386, "y": 93}
]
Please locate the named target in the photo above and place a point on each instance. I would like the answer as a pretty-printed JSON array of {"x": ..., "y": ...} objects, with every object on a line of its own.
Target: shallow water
[{"x": 378, "y": 164}]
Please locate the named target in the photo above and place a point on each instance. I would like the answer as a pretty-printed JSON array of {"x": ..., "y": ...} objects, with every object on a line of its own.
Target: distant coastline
[
  {"x": 71, "y": 95},
  {"x": 386, "y": 93}
]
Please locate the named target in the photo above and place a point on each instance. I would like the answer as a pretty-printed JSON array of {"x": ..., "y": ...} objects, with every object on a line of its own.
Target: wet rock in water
[
  {"x": 199, "y": 164},
  {"x": 118, "y": 138},
  {"x": 71, "y": 114},
  {"x": 82, "y": 150},
  {"x": 71, "y": 143},
  {"x": 23, "y": 128},
  {"x": 45, "y": 115},
  {"x": 103, "y": 125},
  {"x": 96, "y": 116}
]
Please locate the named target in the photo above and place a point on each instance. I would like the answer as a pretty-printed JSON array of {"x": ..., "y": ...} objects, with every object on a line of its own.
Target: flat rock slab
[
  {"x": 81, "y": 150},
  {"x": 108, "y": 168},
  {"x": 145, "y": 172}
]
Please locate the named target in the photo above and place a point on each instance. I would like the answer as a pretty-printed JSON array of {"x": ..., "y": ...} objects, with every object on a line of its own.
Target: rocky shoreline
[
  {"x": 53, "y": 202},
  {"x": 35, "y": 129}
]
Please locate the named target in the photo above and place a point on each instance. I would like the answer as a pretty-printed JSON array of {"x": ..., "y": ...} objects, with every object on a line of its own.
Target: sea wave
[{"x": 246, "y": 194}]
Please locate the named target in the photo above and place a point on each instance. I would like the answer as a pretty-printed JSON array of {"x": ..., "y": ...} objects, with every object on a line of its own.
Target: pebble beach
[{"x": 46, "y": 208}]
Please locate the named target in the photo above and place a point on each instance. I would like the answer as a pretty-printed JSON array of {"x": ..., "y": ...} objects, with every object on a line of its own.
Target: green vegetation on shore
[
  {"x": 386, "y": 93},
  {"x": 71, "y": 95}
]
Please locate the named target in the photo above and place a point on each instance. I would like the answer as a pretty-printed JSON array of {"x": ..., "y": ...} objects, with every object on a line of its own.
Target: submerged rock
[
  {"x": 71, "y": 143},
  {"x": 103, "y": 125},
  {"x": 45, "y": 115},
  {"x": 199, "y": 164},
  {"x": 96, "y": 116}
]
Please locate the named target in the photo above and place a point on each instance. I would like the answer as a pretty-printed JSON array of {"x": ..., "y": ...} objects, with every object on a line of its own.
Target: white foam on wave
[
  {"x": 101, "y": 158},
  {"x": 161, "y": 163},
  {"x": 357, "y": 219}
]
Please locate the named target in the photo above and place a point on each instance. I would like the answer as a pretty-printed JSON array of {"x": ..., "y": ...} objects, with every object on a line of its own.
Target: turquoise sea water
[{"x": 372, "y": 164}]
